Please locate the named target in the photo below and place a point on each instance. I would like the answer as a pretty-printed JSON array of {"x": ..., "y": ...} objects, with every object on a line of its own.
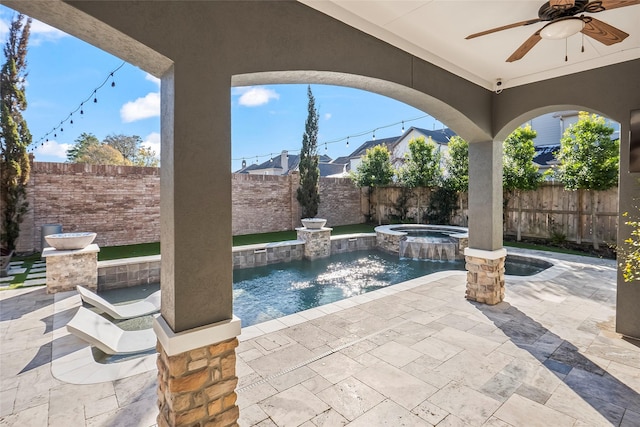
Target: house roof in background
[{"x": 546, "y": 154}]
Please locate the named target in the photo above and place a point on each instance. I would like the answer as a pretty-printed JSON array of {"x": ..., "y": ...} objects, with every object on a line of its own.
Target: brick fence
[{"x": 122, "y": 203}]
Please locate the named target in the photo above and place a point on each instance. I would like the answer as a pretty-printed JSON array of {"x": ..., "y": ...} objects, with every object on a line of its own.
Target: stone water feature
[{"x": 418, "y": 241}]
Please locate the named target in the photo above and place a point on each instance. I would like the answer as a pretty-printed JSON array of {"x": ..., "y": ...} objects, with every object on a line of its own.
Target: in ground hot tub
[{"x": 420, "y": 241}]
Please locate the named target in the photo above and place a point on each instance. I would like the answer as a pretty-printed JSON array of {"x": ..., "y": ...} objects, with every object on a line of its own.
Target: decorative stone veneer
[
  {"x": 389, "y": 242},
  {"x": 485, "y": 275},
  {"x": 68, "y": 269},
  {"x": 317, "y": 243},
  {"x": 352, "y": 242},
  {"x": 197, "y": 387},
  {"x": 123, "y": 273},
  {"x": 270, "y": 253}
]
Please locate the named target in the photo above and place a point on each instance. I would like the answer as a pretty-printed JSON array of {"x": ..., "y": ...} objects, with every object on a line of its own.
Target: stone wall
[{"x": 122, "y": 203}]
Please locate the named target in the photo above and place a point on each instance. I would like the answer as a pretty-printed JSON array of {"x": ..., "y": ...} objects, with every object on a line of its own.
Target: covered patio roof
[{"x": 415, "y": 52}]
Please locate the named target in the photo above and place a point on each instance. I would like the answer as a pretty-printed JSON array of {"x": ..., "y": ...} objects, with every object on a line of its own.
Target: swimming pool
[
  {"x": 276, "y": 290},
  {"x": 269, "y": 292}
]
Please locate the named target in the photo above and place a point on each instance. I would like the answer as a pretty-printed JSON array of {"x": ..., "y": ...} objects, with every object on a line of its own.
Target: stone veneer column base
[
  {"x": 317, "y": 242},
  {"x": 68, "y": 269},
  {"x": 196, "y": 383},
  {"x": 485, "y": 275}
]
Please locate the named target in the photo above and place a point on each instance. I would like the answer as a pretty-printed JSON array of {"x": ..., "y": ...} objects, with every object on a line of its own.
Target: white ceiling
[{"x": 435, "y": 31}]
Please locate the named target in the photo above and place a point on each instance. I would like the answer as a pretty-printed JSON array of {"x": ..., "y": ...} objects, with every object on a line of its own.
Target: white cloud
[
  {"x": 54, "y": 149},
  {"x": 152, "y": 79},
  {"x": 327, "y": 116},
  {"x": 254, "y": 96},
  {"x": 152, "y": 141},
  {"x": 40, "y": 32},
  {"x": 141, "y": 108}
]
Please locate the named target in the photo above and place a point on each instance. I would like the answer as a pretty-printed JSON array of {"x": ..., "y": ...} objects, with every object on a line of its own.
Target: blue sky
[{"x": 64, "y": 71}]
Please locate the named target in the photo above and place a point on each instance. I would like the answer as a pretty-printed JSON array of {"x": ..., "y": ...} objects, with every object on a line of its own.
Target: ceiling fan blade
[
  {"x": 506, "y": 27},
  {"x": 614, "y": 4},
  {"x": 525, "y": 47},
  {"x": 603, "y": 32}
]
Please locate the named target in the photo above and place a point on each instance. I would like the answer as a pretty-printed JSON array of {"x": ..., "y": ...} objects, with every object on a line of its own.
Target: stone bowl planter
[
  {"x": 314, "y": 223},
  {"x": 70, "y": 241}
]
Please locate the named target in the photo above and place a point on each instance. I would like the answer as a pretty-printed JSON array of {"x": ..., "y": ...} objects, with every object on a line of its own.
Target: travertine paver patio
[{"x": 416, "y": 354}]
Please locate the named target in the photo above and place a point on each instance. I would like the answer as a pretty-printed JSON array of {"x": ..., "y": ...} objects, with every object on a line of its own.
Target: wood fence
[{"x": 550, "y": 212}]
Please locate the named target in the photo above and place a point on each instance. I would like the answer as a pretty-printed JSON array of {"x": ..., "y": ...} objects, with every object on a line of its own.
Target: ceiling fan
[{"x": 562, "y": 23}]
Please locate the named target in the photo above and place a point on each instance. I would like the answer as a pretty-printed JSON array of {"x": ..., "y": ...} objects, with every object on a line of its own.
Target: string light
[
  {"x": 403, "y": 126},
  {"x": 345, "y": 138},
  {"x": 69, "y": 118}
]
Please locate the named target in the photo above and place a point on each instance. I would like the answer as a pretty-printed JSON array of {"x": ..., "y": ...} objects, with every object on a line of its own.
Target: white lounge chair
[
  {"x": 149, "y": 305},
  {"x": 101, "y": 333}
]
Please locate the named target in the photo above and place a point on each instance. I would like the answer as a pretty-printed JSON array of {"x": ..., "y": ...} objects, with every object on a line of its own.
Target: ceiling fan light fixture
[{"x": 561, "y": 29}]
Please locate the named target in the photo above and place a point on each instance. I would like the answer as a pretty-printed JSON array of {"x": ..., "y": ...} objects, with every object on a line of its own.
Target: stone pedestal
[
  {"x": 196, "y": 380},
  {"x": 317, "y": 242},
  {"x": 68, "y": 269},
  {"x": 485, "y": 275}
]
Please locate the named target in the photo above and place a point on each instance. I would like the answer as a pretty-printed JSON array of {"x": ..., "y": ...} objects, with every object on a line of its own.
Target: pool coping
[{"x": 73, "y": 362}]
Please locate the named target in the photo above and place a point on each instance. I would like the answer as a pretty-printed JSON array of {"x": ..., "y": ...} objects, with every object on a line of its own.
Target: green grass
[{"x": 128, "y": 251}]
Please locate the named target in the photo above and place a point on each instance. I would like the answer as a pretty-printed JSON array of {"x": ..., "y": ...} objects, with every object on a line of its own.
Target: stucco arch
[
  {"x": 445, "y": 113},
  {"x": 501, "y": 134}
]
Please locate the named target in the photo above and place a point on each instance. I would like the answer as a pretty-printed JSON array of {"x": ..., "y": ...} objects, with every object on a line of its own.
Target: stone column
[
  {"x": 485, "y": 255},
  {"x": 68, "y": 269},
  {"x": 317, "y": 242},
  {"x": 485, "y": 275},
  {"x": 197, "y": 380}
]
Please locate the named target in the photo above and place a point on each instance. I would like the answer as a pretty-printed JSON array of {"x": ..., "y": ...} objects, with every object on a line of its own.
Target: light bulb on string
[
  {"x": 403, "y": 126},
  {"x": 325, "y": 147},
  {"x": 113, "y": 83},
  {"x": 347, "y": 141},
  {"x": 81, "y": 108},
  {"x": 374, "y": 135},
  {"x": 95, "y": 97}
]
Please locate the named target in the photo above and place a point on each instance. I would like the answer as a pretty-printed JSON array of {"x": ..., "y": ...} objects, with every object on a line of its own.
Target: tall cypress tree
[
  {"x": 308, "y": 195},
  {"x": 14, "y": 133}
]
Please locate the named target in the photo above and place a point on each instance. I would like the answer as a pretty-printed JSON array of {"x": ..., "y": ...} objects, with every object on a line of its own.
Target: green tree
[
  {"x": 375, "y": 170},
  {"x": 308, "y": 194},
  {"x": 457, "y": 170},
  {"x": 127, "y": 145},
  {"x": 422, "y": 167},
  {"x": 102, "y": 154},
  {"x": 146, "y": 157},
  {"x": 83, "y": 143},
  {"x": 519, "y": 173},
  {"x": 457, "y": 165},
  {"x": 588, "y": 160},
  {"x": 15, "y": 136}
]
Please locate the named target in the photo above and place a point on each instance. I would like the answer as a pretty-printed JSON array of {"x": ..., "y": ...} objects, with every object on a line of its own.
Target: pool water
[
  {"x": 276, "y": 290},
  {"x": 269, "y": 292}
]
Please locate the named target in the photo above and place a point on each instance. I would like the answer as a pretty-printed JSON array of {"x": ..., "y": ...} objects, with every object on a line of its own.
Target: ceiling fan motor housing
[{"x": 550, "y": 11}]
